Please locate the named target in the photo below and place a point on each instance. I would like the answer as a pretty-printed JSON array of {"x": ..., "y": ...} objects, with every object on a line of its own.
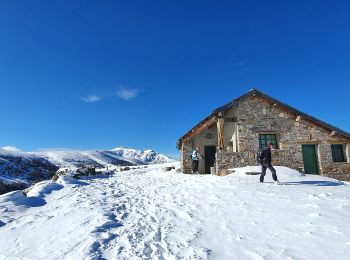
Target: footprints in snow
[
  {"x": 140, "y": 221},
  {"x": 106, "y": 233}
]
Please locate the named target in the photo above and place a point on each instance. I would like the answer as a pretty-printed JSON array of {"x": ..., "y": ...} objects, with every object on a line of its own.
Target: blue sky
[{"x": 100, "y": 74}]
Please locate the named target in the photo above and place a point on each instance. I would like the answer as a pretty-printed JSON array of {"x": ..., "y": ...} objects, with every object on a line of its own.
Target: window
[
  {"x": 338, "y": 153},
  {"x": 264, "y": 139}
]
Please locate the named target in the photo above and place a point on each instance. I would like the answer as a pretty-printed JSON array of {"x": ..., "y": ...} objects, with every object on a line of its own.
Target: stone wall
[
  {"x": 186, "y": 163},
  {"x": 226, "y": 160},
  {"x": 256, "y": 116},
  {"x": 283, "y": 158},
  {"x": 340, "y": 171}
]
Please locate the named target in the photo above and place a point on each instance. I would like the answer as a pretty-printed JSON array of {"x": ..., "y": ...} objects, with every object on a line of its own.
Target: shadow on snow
[{"x": 316, "y": 183}]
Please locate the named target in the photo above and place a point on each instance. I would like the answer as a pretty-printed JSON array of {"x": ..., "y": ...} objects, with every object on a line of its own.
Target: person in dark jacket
[{"x": 265, "y": 159}]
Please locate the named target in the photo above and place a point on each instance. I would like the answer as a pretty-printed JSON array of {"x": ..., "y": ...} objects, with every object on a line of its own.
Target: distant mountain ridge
[
  {"x": 29, "y": 167},
  {"x": 116, "y": 156}
]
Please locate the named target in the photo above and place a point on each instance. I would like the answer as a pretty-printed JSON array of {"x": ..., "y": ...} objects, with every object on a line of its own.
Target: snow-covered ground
[{"x": 151, "y": 214}]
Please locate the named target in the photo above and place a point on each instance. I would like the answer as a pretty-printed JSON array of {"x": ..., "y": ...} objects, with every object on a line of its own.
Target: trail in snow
[
  {"x": 149, "y": 214},
  {"x": 136, "y": 224}
]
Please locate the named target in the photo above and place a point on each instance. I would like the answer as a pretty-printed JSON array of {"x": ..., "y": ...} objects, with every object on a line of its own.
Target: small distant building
[{"x": 232, "y": 134}]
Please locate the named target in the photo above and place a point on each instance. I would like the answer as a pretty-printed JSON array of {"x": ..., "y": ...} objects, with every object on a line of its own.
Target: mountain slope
[
  {"x": 140, "y": 157},
  {"x": 19, "y": 169},
  {"x": 117, "y": 156}
]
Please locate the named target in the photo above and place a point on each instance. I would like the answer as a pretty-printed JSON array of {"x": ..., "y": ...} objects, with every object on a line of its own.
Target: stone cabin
[{"x": 232, "y": 134}]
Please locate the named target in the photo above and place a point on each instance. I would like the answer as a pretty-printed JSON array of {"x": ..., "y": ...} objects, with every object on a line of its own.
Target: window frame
[
  {"x": 267, "y": 139},
  {"x": 338, "y": 156}
]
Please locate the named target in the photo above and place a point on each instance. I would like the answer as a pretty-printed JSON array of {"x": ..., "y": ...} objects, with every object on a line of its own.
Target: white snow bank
[
  {"x": 69, "y": 180},
  {"x": 18, "y": 198},
  {"x": 43, "y": 188}
]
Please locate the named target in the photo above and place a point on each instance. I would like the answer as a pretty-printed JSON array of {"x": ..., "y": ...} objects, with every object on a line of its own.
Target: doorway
[{"x": 209, "y": 157}]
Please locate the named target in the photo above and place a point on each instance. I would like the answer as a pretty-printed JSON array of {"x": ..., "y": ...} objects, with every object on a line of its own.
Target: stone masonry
[
  {"x": 186, "y": 163},
  {"x": 256, "y": 116},
  {"x": 253, "y": 115}
]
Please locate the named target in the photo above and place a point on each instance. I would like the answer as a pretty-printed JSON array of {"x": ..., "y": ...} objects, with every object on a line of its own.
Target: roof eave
[{"x": 255, "y": 92}]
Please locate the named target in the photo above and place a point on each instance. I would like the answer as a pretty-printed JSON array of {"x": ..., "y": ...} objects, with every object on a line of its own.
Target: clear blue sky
[{"x": 99, "y": 74}]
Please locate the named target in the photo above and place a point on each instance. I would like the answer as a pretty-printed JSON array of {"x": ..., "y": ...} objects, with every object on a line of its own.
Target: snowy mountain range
[
  {"x": 118, "y": 156},
  {"x": 18, "y": 169}
]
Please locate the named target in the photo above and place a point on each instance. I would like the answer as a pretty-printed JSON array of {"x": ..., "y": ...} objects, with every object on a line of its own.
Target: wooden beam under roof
[{"x": 200, "y": 128}]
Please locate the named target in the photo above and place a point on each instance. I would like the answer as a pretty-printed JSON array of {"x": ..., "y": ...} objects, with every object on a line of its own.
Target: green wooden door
[{"x": 310, "y": 159}]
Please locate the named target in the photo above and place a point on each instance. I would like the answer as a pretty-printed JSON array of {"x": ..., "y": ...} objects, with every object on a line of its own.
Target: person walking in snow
[
  {"x": 265, "y": 159},
  {"x": 195, "y": 157}
]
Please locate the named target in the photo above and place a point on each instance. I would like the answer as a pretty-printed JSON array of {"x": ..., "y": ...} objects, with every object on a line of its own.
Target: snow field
[{"x": 151, "y": 214}]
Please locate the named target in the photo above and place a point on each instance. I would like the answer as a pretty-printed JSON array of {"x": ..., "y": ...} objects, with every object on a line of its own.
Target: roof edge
[{"x": 272, "y": 100}]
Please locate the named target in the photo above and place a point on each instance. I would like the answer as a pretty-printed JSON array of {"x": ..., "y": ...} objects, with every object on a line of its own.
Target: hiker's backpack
[{"x": 192, "y": 155}]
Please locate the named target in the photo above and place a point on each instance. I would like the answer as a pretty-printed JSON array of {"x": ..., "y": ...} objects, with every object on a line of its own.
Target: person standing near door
[
  {"x": 195, "y": 157},
  {"x": 265, "y": 159}
]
